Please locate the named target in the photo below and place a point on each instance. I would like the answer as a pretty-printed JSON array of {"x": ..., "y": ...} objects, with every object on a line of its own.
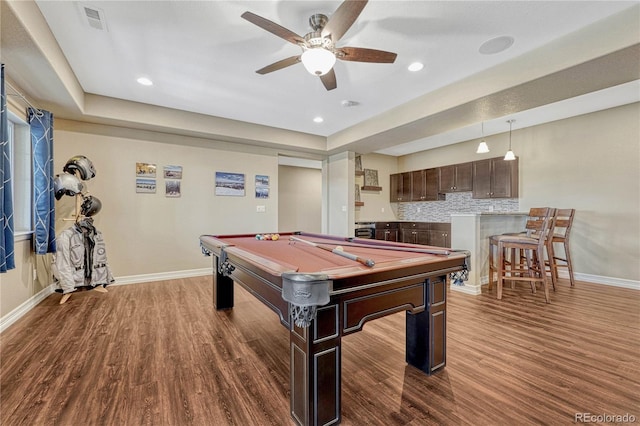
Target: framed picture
[
  {"x": 262, "y": 186},
  {"x": 172, "y": 188},
  {"x": 173, "y": 172},
  {"x": 230, "y": 184},
  {"x": 146, "y": 186},
  {"x": 370, "y": 177},
  {"x": 146, "y": 170}
]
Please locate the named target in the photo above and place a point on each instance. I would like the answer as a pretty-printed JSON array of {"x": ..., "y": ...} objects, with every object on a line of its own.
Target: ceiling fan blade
[
  {"x": 279, "y": 65},
  {"x": 273, "y": 28},
  {"x": 343, "y": 18},
  {"x": 359, "y": 54},
  {"x": 329, "y": 80}
]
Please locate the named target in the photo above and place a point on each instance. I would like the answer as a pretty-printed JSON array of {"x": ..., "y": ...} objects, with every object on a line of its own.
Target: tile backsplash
[{"x": 460, "y": 202}]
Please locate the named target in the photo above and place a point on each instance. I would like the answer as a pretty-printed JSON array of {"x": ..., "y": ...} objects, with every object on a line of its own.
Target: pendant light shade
[
  {"x": 509, "y": 156},
  {"x": 483, "y": 148}
]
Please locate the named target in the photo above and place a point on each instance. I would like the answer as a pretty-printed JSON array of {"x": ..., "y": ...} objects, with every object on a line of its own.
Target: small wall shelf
[
  {"x": 371, "y": 188},
  {"x": 359, "y": 203}
]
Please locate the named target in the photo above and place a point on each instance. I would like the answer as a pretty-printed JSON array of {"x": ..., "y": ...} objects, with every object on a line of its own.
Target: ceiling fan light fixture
[{"x": 318, "y": 61}]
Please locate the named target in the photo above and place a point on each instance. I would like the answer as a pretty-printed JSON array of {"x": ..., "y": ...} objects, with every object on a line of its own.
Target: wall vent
[{"x": 95, "y": 17}]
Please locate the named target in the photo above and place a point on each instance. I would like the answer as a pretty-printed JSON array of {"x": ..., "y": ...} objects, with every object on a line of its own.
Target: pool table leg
[
  {"x": 426, "y": 331},
  {"x": 316, "y": 368},
  {"x": 222, "y": 288}
]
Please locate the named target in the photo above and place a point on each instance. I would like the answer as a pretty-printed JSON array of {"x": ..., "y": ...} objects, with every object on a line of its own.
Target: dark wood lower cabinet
[
  {"x": 427, "y": 233},
  {"x": 387, "y": 234},
  {"x": 387, "y": 231}
]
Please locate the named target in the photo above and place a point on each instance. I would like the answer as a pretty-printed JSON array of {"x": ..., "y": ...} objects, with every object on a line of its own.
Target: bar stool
[
  {"x": 560, "y": 235},
  {"x": 531, "y": 230},
  {"x": 532, "y": 244}
]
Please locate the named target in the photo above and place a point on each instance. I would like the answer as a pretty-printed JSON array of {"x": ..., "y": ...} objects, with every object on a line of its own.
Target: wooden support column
[
  {"x": 222, "y": 288},
  {"x": 426, "y": 331},
  {"x": 316, "y": 369}
]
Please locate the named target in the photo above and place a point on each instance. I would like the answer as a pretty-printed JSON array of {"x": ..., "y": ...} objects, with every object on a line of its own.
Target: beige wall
[
  {"x": 339, "y": 182},
  {"x": 150, "y": 233},
  {"x": 376, "y": 203},
  {"x": 299, "y": 199},
  {"x": 590, "y": 163},
  {"x": 17, "y": 285}
]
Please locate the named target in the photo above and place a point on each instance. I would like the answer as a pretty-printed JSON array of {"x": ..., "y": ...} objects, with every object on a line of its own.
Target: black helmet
[
  {"x": 90, "y": 206},
  {"x": 66, "y": 184},
  {"x": 82, "y": 165}
]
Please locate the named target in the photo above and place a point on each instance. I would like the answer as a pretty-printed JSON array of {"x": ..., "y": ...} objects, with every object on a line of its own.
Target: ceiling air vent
[{"x": 95, "y": 17}]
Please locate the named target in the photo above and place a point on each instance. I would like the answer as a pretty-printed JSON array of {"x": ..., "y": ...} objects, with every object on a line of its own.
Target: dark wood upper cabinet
[
  {"x": 400, "y": 187},
  {"x": 425, "y": 185},
  {"x": 456, "y": 178},
  {"x": 495, "y": 178}
]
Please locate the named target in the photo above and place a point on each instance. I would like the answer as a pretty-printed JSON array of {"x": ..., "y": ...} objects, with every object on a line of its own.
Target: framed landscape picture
[
  {"x": 145, "y": 170},
  {"x": 146, "y": 186},
  {"x": 173, "y": 172},
  {"x": 230, "y": 184},
  {"x": 262, "y": 186},
  {"x": 172, "y": 188}
]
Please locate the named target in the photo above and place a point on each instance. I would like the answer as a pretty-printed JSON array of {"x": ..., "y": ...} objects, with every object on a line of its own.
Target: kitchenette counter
[{"x": 471, "y": 231}]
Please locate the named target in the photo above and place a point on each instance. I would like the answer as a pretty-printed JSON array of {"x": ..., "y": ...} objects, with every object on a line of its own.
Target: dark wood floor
[{"x": 158, "y": 354}]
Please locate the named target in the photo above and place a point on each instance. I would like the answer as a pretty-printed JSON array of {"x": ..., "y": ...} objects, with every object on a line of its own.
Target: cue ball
[{"x": 339, "y": 248}]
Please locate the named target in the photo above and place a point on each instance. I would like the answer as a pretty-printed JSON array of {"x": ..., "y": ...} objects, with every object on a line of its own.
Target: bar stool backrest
[
  {"x": 538, "y": 222},
  {"x": 563, "y": 222}
]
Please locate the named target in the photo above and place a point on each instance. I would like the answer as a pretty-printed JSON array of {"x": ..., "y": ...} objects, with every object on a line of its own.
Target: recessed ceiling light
[
  {"x": 416, "y": 66},
  {"x": 145, "y": 81},
  {"x": 318, "y": 120},
  {"x": 496, "y": 45}
]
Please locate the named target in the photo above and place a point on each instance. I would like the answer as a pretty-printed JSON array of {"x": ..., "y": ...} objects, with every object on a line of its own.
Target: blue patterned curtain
[
  {"x": 6, "y": 200},
  {"x": 41, "y": 123}
]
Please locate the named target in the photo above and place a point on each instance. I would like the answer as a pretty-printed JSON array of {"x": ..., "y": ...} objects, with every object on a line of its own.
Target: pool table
[{"x": 321, "y": 295}]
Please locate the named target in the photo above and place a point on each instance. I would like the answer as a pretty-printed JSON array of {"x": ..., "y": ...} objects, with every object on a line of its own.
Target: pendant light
[
  {"x": 483, "y": 148},
  {"x": 510, "y": 155}
]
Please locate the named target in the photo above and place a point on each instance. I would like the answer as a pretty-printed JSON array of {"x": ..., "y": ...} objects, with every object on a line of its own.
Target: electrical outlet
[
  {"x": 382, "y": 210},
  {"x": 35, "y": 274},
  {"x": 419, "y": 209},
  {"x": 344, "y": 208},
  {"x": 261, "y": 209}
]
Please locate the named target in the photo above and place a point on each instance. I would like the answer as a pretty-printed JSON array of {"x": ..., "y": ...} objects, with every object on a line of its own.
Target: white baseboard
[
  {"x": 468, "y": 289},
  {"x": 161, "y": 276},
  {"x": 595, "y": 279},
  {"x": 25, "y": 307}
]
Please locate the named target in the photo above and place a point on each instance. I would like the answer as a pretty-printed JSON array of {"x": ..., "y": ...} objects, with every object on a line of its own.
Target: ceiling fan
[{"x": 319, "y": 51}]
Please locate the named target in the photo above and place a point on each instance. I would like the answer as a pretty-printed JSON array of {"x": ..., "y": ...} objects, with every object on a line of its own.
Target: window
[{"x": 20, "y": 152}]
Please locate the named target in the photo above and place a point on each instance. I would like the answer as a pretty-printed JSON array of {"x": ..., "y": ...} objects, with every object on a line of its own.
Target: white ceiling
[{"x": 202, "y": 56}]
